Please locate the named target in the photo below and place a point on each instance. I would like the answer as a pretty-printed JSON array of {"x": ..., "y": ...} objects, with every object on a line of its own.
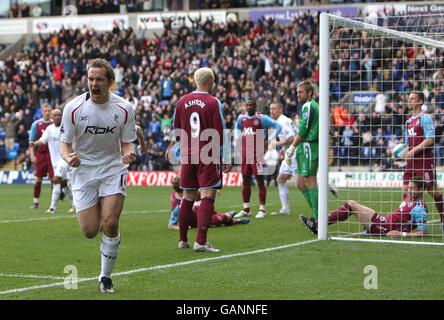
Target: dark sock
[
  {"x": 340, "y": 214},
  {"x": 313, "y": 193},
  {"x": 204, "y": 214},
  {"x": 185, "y": 218},
  {"x": 246, "y": 190},
  {"x": 262, "y": 192},
  {"x": 37, "y": 189},
  {"x": 220, "y": 219}
]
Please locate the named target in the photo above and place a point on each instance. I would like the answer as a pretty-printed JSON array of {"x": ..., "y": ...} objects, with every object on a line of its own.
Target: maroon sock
[
  {"x": 340, "y": 214},
  {"x": 440, "y": 206},
  {"x": 37, "y": 189},
  {"x": 185, "y": 218},
  {"x": 204, "y": 214},
  {"x": 262, "y": 191},
  {"x": 246, "y": 190},
  {"x": 219, "y": 219}
]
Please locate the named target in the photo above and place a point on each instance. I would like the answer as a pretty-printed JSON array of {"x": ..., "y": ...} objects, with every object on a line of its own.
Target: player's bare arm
[
  {"x": 427, "y": 143},
  {"x": 31, "y": 151},
  {"x": 69, "y": 155},
  {"x": 397, "y": 233},
  {"x": 128, "y": 152},
  {"x": 286, "y": 141},
  {"x": 141, "y": 139}
]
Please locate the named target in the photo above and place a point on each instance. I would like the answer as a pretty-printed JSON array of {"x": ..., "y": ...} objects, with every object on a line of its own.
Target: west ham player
[
  {"x": 420, "y": 137},
  {"x": 40, "y": 157},
  {"x": 217, "y": 219},
  {"x": 410, "y": 219},
  {"x": 198, "y": 125},
  {"x": 98, "y": 128},
  {"x": 51, "y": 137},
  {"x": 286, "y": 171},
  {"x": 253, "y": 126}
]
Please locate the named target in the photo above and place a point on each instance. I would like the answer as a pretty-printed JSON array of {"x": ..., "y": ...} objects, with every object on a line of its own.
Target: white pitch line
[
  {"x": 31, "y": 276},
  {"x": 73, "y": 216},
  {"x": 164, "y": 266}
]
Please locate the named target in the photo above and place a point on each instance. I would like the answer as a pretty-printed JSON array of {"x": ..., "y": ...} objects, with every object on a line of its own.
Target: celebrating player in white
[
  {"x": 98, "y": 128},
  {"x": 286, "y": 171},
  {"x": 51, "y": 136}
]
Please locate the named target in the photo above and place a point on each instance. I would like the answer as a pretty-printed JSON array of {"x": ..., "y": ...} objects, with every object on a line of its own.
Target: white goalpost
[{"x": 366, "y": 74}]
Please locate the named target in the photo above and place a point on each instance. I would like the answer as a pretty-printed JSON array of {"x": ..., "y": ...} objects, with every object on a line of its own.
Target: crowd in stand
[
  {"x": 19, "y": 10},
  {"x": 122, "y": 6},
  {"x": 262, "y": 61},
  {"x": 391, "y": 68}
]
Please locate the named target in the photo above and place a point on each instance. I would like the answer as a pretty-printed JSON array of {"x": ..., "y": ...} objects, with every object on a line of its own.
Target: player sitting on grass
[
  {"x": 410, "y": 219},
  {"x": 217, "y": 219}
]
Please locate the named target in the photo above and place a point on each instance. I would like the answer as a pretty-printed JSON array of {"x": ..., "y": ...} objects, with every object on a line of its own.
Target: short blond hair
[
  {"x": 203, "y": 75},
  {"x": 46, "y": 105}
]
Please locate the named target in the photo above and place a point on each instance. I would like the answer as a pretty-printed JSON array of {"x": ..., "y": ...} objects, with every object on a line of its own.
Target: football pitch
[{"x": 267, "y": 259}]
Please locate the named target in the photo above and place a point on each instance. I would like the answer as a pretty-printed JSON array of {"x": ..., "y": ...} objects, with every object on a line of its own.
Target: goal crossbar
[{"x": 380, "y": 31}]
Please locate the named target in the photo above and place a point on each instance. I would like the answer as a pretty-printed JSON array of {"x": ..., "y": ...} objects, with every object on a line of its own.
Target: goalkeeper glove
[
  {"x": 290, "y": 152},
  {"x": 289, "y": 155}
]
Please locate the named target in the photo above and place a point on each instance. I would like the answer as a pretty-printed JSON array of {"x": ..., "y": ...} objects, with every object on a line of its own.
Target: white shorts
[
  {"x": 61, "y": 169},
  {"x": 289, "y": 170},
  {"x": 88, "y": 186}
]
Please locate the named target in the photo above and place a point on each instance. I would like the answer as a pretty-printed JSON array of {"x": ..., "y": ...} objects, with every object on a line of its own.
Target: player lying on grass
[
  {"x": 217, "y": 219},
  {"x": 410, "y": 219}
]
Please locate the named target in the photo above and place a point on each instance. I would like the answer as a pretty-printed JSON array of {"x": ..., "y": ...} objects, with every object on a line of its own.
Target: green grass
[{"x": 318, "y": 270}]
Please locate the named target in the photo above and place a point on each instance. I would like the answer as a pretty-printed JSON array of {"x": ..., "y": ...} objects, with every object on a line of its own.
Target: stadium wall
[{"x": 344, "y": 179}]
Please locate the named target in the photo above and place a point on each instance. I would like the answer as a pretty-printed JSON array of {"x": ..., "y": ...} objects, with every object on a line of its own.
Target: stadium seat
[{"x": 11, "y": 154}]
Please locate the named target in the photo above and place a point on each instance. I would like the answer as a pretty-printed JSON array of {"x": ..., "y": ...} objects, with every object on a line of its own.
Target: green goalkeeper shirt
[{"x": 309, "y": 121}]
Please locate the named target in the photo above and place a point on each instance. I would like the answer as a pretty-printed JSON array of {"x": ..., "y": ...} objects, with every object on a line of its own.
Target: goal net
[{"x": 368, "y": 70}]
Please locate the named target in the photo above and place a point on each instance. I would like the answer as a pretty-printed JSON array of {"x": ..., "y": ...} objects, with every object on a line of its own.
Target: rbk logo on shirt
[{"x": 99, "y": 130}]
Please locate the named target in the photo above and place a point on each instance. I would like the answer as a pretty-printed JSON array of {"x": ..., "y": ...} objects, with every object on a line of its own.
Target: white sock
[
  {"x": 283, "y": 194},
  {"x": 262, "y": 207},
  {"x": 36, "y": 200},
  {"x": 56, "y": 191},
  {"x": 246, "y": 205},
  {"x": 109, "y": 250}
]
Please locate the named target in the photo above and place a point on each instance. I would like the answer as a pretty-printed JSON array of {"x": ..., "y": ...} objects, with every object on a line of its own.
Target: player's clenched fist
[
  {"x": 73, "y": 160},
  {"x": 129, "y": 158}
]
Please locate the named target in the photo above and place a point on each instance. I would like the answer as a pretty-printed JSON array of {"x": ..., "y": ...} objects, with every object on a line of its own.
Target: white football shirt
[
  {"x": 96, "y": 130},
  {"x": 51, "y": 136},
  {"x": 288, "y": 129}
]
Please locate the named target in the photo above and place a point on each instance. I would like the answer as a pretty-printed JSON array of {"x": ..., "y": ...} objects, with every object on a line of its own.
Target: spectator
[
  {"x": 381, "y": 101},
  {"x": 155, "y": 155}
]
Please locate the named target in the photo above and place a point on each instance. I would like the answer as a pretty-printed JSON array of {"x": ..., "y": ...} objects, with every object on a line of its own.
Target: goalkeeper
[{"x": 306, "y": 145}]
